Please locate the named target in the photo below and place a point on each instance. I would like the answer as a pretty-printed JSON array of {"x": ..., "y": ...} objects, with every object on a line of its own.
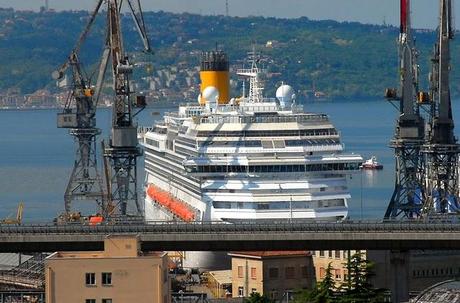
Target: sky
[{"x": 425, "y": 12}]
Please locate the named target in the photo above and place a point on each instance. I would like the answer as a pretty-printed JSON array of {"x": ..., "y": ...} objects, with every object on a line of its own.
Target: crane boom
[{"x": 59, "y": 74}]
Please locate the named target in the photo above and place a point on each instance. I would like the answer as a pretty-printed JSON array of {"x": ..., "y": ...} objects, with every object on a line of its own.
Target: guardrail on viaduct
[{"x": 213, "y": 236}]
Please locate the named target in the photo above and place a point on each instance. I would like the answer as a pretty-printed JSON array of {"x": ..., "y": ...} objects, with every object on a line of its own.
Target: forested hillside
[{"x": 341, "y": 59}]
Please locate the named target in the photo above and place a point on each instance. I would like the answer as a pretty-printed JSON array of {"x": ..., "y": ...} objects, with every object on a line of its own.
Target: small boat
[{"x": 372, "y": 164}]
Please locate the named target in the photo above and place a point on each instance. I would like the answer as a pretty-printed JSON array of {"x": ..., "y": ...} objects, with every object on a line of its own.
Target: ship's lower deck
[{"x": 255, "y": 202}]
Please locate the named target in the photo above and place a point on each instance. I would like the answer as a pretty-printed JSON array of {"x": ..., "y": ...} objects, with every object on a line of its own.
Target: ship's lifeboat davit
[{"x": 175, "y": 206}]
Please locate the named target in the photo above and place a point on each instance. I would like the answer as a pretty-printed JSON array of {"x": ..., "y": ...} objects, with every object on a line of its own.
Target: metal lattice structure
[
  {"x": 441, "y": 149},
  {"x": 27, "y": 275},
  {"x": 79, "y": 116},
  {"x": 408, "y": 194},
  {"x": 123, "y": 148},
  {"x": 407, "y": 197}
]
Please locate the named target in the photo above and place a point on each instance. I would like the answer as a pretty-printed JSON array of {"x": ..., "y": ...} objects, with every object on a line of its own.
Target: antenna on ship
[
  {"x": 254, "y": 73},
  {"x": 226, "y": 8}
]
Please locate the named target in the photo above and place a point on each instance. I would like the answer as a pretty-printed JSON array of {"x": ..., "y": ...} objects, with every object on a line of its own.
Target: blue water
[{"x": 36, "y": 158}]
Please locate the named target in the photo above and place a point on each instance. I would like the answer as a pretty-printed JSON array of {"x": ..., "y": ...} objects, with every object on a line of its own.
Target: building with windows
[
  {"x": 337, "y": 259},
  {"x": 120, "y": 273},
  {"x": 275, "y": 274},
  {"x": 420, "y": 268},
  {"x": 220, "y": 283}
]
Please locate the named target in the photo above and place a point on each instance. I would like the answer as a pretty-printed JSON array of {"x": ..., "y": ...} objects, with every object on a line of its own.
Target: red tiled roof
[{"x": 268, "y": 254}]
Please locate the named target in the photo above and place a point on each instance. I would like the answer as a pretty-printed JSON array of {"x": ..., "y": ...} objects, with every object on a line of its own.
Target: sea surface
[{"x": 36, "y": 157}]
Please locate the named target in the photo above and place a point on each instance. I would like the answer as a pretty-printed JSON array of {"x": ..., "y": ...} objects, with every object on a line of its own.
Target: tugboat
[{"x": 372, "y": 164}]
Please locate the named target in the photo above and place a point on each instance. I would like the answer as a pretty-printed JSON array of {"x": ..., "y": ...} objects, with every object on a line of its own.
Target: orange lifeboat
[
  {"x": 96, "y": 220},
  {"x": 173, "y": 205}
]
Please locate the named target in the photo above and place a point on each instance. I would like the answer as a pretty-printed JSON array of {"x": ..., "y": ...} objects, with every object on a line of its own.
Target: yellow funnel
[{"x": 215, "y": 72}]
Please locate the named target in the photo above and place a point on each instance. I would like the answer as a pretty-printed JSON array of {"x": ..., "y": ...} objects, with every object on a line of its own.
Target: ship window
[
  {"x": 222, "y": 205},
  {"x": 262, "y": 206},
  {"x": 152, "y": 143}
]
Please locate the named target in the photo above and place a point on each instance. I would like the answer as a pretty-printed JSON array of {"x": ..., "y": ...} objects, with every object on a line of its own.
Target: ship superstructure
[{"x": 250, "y": 158}]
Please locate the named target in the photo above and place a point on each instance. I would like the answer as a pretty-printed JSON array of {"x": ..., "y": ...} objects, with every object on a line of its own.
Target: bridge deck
[{"x": 224, "y": 237}]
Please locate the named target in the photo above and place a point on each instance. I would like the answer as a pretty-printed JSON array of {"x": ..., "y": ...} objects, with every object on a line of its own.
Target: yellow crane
[{"x": 18, "y": 219}]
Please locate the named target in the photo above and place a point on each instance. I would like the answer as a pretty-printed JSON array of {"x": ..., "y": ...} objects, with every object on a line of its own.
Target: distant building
[
  {"x": 220, "y": 283},
  {"x": 120, "y": 273},
  {"x": 274, "y": 274},
  {"x": 40, "y": 98},
  {"x": 425, "y": 268}
]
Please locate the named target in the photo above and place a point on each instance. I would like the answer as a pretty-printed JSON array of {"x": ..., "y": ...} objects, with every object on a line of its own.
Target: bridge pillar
[{"x": 399, "y": 275}]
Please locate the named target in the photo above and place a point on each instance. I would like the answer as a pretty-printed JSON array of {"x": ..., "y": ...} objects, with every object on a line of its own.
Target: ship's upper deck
[{"x": 244, "y": 113}]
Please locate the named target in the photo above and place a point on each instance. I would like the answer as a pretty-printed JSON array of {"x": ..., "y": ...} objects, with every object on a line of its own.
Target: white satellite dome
[
  {"x": 285, "y": 95},
  {"x": 210, "y": 94}
]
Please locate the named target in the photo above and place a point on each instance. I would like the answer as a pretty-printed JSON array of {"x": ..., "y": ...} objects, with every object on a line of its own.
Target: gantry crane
[
  {"x": 441, "y": 148},
  {"x": 408, "y": 140},
  {"x": 122, "y": 151},
  {"x": 79, "y": 116}
]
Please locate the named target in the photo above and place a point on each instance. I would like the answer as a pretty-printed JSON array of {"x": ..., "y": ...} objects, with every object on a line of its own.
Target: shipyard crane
[
  {"x": 442, "y": 149},
  {"x": 79, "y": 116},
  {"x": 407, "y": 197},
  {"x": 123, "y": 148}
]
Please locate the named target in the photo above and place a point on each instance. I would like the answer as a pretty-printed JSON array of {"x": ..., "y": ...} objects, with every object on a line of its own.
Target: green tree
[
  {"x": 357, "y": 287},
  {"x": 322, "y": 293},
  {"x": 257, "y": 298}
]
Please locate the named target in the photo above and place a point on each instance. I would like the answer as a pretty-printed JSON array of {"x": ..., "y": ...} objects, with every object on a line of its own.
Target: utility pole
[
  {"x": 47, "y": 7},
  {"x": 226, "y": 8}
]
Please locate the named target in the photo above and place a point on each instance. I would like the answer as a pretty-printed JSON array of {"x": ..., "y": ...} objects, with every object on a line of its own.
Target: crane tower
[
  {"x": 441, "y": 148},
  {"x": 79, "y": 116},
  {"x": 407, "y": 197},
  {"x": 123, "y": 149}
]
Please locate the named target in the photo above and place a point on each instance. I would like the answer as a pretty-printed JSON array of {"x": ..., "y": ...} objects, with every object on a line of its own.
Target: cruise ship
[{"x": 245, "y": 159}]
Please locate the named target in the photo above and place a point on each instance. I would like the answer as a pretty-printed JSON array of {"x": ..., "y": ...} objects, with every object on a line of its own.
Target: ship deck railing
[
  {"x": 265, "y": 119},
  {"x": 242, "y": 149},
  {"x": 142, "y": 130}
]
